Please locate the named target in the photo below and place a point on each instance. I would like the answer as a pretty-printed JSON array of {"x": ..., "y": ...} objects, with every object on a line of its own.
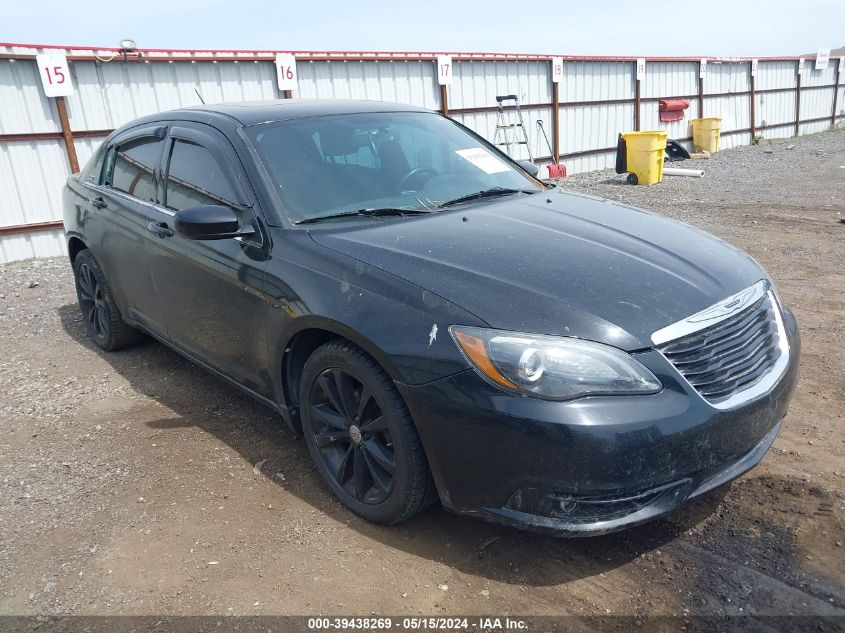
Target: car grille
[{"x": 733, "y": 354}]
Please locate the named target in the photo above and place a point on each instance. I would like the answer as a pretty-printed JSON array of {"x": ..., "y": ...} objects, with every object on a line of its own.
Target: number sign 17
[
  {"x": 444, "y": 70},
  {"x": 55, "y": 74}
]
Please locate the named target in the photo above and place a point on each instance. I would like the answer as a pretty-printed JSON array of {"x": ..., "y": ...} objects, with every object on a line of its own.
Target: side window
[
  {"x": 94, "y": 167},
  {"x": 133, "y": 166},
  {"x": 194, "y": 177}
]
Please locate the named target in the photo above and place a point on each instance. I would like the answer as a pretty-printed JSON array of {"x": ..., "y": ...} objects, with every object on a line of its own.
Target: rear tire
[
  {"x": 361, "y": 436},
  {"x": 100, "y": 313}
]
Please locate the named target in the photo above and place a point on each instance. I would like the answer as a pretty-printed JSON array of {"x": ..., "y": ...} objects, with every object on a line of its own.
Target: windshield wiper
[
  {"x": 486, "y": 193},
  {"x": 376, "y": 212}
]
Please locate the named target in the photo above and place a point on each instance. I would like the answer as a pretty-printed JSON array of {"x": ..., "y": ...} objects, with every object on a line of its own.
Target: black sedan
[{"x": 437, "y": 323}]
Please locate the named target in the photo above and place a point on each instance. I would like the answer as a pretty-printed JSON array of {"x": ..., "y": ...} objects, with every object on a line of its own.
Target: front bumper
[{"x": 593, "y": 465}]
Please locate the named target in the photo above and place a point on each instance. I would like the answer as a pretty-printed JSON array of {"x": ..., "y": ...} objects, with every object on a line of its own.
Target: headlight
[{"x": 550, "y": 367}]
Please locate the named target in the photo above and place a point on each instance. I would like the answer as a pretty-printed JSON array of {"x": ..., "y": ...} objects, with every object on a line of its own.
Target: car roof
[
  {"x": 228, "y": 116},
  {"x": 252, "y": 112}
]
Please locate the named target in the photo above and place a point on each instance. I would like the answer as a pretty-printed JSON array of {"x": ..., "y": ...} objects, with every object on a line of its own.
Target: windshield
[{"x": 325, "y": 166}]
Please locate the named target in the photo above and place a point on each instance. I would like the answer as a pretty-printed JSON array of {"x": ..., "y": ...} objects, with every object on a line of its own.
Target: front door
[{"x": 211, "y": 293}]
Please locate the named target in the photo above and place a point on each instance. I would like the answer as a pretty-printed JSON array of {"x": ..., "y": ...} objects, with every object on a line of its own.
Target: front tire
[
  {"x": 361, "y": 436},
  {"x": 100, "y": 313}
]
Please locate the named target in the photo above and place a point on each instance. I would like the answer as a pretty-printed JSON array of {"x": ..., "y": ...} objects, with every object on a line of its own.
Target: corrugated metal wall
[{"x": 596, "y": 97}]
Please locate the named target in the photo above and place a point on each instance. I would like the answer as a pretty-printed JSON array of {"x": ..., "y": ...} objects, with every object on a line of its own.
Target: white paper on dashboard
[{"x": 482, "y": 159}]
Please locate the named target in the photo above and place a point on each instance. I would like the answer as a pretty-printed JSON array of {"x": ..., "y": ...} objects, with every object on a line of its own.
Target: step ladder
[{"x": 510, "y": 128}]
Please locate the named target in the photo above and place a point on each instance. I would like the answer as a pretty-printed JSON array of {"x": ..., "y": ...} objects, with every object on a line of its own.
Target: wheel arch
[
  {"x": 74, "y": 246},
  {"x": 298, "y": 343}
]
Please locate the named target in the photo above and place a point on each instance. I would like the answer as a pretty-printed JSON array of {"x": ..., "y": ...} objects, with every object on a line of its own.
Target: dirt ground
[{"x": 135, "y": 483}]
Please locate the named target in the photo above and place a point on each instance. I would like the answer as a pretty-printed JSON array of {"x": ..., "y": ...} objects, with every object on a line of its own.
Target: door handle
[
  {"x": 160, "y": 228},
  {"x": 99, "y": 203}
]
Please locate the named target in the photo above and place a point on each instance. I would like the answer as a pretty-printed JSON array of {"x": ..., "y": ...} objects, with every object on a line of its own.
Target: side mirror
[
  {"x": 209, "y": 222},
  {"x": 530, "y": 167}
]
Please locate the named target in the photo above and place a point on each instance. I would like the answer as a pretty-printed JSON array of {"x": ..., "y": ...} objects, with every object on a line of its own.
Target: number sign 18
[
  {"x": 55, "y": 74},
  {"x": 557, "y": 69}
]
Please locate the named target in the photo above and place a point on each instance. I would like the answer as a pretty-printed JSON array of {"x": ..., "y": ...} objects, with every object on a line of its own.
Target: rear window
[
  {"x": 134, "y": 168},
  {"x": 94, "y": 167}
]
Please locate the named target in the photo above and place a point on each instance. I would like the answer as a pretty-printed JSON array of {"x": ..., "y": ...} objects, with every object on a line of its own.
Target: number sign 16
[
  {"x": 55, "y": 74},
  {"x": 444, "y": 70},
  {"x": 286, "y": 71}
]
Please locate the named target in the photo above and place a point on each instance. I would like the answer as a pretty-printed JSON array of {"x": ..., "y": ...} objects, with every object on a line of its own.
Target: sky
[{"x": 611, "y": 27}]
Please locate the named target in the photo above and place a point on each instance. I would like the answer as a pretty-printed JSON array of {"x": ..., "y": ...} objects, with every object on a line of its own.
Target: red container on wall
[{"x": 671, "y": 109}]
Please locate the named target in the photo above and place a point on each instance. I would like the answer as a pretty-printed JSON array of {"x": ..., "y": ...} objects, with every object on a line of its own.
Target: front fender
[{"x": 403, "y": 326}]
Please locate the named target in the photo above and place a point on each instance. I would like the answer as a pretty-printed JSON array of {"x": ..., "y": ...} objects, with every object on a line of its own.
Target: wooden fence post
[{"x": 67, "y": 135}]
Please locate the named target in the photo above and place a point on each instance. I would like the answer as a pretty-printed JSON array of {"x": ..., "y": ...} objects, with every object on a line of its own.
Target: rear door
[
  {"x": 211, "y": 293},
  {"x": 121, "y": 206}
]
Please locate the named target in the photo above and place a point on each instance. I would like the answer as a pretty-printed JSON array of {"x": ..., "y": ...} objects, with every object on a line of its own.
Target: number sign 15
[
  {"x": 286, "y": 71},
  {"x": 444, "y": 70},
  {"x": 55, "y": 74}
]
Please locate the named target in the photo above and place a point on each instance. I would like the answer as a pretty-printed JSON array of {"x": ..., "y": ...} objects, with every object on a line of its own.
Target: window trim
[
  {"x": 218, "y": 151},
  {"x": 157, "y": 132}
]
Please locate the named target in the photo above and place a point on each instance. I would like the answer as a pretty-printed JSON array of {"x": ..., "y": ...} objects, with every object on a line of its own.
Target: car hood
[{"x": 556, "y": 263}]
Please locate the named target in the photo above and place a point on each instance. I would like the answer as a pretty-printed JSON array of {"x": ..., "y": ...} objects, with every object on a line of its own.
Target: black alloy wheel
[
  {"x": 93, "y": 305},
  {"x": 100, "y": 313},
  {"x": 351, "y": 435},
  {"x": 361, "y": 436}
]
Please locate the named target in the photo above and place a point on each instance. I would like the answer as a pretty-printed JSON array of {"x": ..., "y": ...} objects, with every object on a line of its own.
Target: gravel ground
[{"x": 134, "y": 483}]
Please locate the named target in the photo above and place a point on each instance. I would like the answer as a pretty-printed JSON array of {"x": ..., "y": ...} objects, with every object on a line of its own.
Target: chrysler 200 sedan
[{"x": 436, "y": 322}]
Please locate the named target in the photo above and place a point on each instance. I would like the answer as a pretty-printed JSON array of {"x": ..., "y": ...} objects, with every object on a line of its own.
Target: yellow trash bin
[
  {"x": 705, "y": 134},
  {"x": 644, "y": 154}
]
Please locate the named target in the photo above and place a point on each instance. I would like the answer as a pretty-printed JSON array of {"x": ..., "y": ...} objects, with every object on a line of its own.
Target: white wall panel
[
  {"x": 23, "y": 106},
  {"x": 772, "y": 75},
  {"x": 32, "y": 174},
  {"x": 813, "y": 77},
  {"x": 593, "y": 81},
  {"x": 727, "y": 77},
  {"x": 669, "y": 79},
  {"x": 594, "y": 127},
  {"x": 775, "y": 107},
  {"x": 734, "y": 111},
  {"x": 412, "y": 82},
  {"x": 816, "y": 103},
  {"x": 478, "y": 83},
  {"x": 814, "y": 128},
  {"x": 28, "y": 245}
]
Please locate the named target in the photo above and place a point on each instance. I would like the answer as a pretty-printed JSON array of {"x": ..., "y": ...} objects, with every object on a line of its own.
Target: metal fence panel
[
  {"x": 23, "y": 107},
  {"x": 478, "y": 83},
  {"x": 772, "y": 75},
  {"x": 727, "y": 77},
  {"x": 412, "y": 82},
  {"x": 593, "y": 81},
  {"x": 733, "y": 110},
  {"x": 774, "y": 108},
  {"x": 670, "y": 79},
  {"x": 28, "y": 245}
]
